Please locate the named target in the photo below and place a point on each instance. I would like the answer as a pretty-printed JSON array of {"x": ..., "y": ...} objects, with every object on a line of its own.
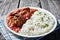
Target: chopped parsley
[
  {"x": 37, "y": 24},
  {"x": 41, "y": 19},
  {"x": 48, "y": 18},
  {"x": 45, "y": 25},
  {"x": 12, "y": 20},
  {"x": 45, "y": 14},
  {"x": 39, "y": 13},
  {"x": 21, "y": 21}
]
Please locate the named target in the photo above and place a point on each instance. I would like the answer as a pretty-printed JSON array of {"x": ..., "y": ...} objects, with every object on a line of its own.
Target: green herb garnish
[
  {"x": 41, "y": 19},
  {"x": 39, "y": 13},
  {"x": 48, "y": 18},
  {"x": 12, "y": 20},
  {"x": 45, "y": 25},
  {"x": 45, "y": 14},
  {"x": 21, "y": 20}
]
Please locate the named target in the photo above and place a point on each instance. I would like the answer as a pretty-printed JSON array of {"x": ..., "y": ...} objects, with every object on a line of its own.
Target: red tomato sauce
[{"x": 17, "y": 18}]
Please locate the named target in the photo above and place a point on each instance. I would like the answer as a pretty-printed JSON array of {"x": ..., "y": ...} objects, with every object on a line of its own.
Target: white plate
[{"x": 38, "y": 35}]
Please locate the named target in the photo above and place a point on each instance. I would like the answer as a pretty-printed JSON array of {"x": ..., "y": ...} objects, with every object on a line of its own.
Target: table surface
[{"x": 51, "y": 5}]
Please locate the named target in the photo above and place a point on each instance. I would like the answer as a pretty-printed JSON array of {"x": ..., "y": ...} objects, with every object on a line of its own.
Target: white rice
[{"x": 39, "y": 23}]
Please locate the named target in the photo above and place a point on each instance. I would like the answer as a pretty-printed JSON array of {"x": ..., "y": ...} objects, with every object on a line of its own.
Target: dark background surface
[{"x": 52, "y": 36}]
